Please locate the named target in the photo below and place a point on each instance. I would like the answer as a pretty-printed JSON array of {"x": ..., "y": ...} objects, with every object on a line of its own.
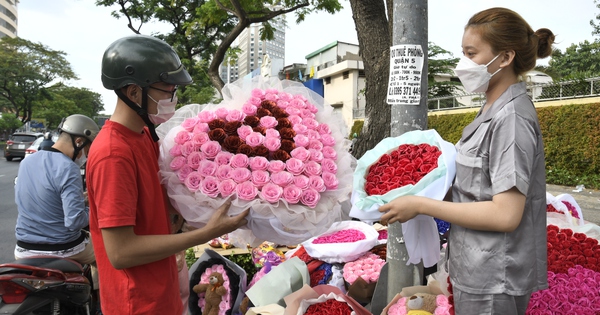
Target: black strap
[
  {"x": 141, "y": 111},
  {"x": 52, "y": 247}
]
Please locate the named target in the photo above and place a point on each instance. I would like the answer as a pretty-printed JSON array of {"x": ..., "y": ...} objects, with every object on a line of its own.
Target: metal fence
[{"x": 538, "y": 92}]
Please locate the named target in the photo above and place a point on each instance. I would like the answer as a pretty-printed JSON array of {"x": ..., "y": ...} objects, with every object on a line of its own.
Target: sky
[{"x": 83, "y": 30}]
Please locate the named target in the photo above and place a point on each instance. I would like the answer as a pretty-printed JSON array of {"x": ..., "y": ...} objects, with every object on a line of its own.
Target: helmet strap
[
  {"x": 141, "y": 111},
  {"x": 77, "y": 149}
]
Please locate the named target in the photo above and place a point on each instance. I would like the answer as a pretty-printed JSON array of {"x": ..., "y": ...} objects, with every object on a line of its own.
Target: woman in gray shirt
[{"x": 497, "y": 244}]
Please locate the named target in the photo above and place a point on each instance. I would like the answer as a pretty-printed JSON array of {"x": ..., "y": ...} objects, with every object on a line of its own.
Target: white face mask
[
  {"x": 165, "y": 110},
  {"x": 474, "y": 77},
  {"x": 82, "y": 159}
]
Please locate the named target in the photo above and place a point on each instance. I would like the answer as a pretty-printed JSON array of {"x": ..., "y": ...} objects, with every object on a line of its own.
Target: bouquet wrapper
[
  {"x": 420, "y": 233},
  {"x": 283, "y": 279},
  {"x": 280, "y": 222},
  {"x": 299, "y": 301},
  {"x": 231, "y": 268},
  {"x": 343, "y": 252},
  {"x": 361, "y": 290},
  {"x": 272, "y": 309}
]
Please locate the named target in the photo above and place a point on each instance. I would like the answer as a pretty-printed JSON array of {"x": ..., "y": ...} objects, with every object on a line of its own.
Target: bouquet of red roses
[
  {"x": 418, "y": 163},
  {"x": 272, "y": 146}
]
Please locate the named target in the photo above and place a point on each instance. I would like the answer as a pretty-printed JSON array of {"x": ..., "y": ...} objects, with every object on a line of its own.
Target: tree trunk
[{"x": 374, "y": 38}]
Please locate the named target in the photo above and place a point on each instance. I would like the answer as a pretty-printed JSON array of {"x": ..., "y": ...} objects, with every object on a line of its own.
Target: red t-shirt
[{"x": 124, "y": 190}]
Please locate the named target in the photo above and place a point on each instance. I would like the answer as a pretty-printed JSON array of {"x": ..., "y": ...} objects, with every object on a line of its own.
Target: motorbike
[{"x": 46, "y": 285}]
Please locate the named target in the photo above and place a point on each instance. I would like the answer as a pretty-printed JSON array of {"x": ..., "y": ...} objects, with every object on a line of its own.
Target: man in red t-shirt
[{"x": 129, "y": 211}]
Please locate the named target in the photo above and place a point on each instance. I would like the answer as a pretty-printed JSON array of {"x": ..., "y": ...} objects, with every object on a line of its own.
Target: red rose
[
  {"x": 281, "y": 155},
  {"x": 261, "y": 150},
  {"x": 287, "y": 145},
  {"x": 261, "y": 112},
  {"x": 268, "y": 105},
  {"x": 279, "y": 113},
  {"x": 245, "y": 149},
  {"x": 580, "y": 236},
  {"x": 287, "y": 133},
  {"x": 232, "y": 127},
  {"x": 217, "y": 134},
  {"x": 283, "y": 123},
  {"x": 216, "y": 123},
  {"x": 316, "y": 276},
  {"x": 260, "y": 129},
  {"x": 232, "y": 143},
  {"x": 252, "y": 121}
]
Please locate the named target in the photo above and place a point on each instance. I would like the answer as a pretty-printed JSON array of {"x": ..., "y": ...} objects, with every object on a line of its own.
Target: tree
[
  {"x": 578, "y": 61},
  {"x": 26, "y": 70},
  {"x": 67, "y": 100},
  {"x": 8, "y": 123},
  {"x": 437, "y": 65},
  {"x": 204, "y": 30}
]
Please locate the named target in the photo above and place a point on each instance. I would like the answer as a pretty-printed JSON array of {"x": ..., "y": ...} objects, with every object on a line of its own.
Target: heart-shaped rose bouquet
[{"x": 269, "y": 146}]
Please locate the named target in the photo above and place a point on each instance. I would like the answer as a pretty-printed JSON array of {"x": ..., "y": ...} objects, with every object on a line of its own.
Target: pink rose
[
  {"x": 301, "y": 154},
  {"x": 292, "y": 194},
  {"x": 239, "y": 161},
  {"x": 200, "y": 138},
  {"x": 211, "y": 149},
  {"x": 310, "y": 123},
  {"x": 190, "y": 123},
  {"x": 194, "y": 159},
  {"x": 182, "y": 137},
  {"x": 276, "y": 166},
  {"x": 244, "y": 131},
  {"x": 210, "y": 186},
  {"x": 285, "y": 96},
  {"x": 316, "y": 183},
  {"x": 272, "y": 133},
  {"x": 249, "y": 109},
  {"x": 283, "y": 104},
  {"x": 268, "y": 122},
  {"x": 328, "y": 165},
  {"x": 330, "y": 180},
  {"x": 258, "y": 93},
  {"x": 255, "y": 101},
  {"x": 221, "y": 112},
  {"x": 313, "y": 134},
  {"x": 282, "y": 178},
  {"x": 187, "y": 148},
  {"x": 193, "y": 181},
  {"x": 312, "y": 108},
  {"x": 235, "y": 115},
  {"x": 227, "y": 187},
  {"x": 183, "y": 173},
  {"x": 271, "y": 192},
  {"x": 300, "y": 129},
  {"x": 240, "y": 175},
  {"x": 315, "y": 144},
  {"x": 201, "y": 127},
  {"x": 255, "y": 139},
  {"x": 328, "y": 140},
  {"x": 175, "y": 150},
  {"x": 207, "y": 168},
  {"x": 223, "y": 172},
  {"x": 297, "y": 103},
  {"x": 442, "y": 310},
  {"x": 259, "y": 163},
  {"x": 177, "y": 163},
  {"x": 312, "y": 168},
  {"x": 301, "y": 140},
  {"x": 295, "y": 119},
  {"x": 260, "y": 178},
  {"x": 301, "y": 181},
  {"x": 324, "y": 129},
  {"x": 246, "y": 191},
  {"x": 307, "y": 114},
  {"x": 207, "y": 116},
  {"x": 294, "y": 166},
  {"x": 272, "y": 143},
  {"x": 310, "y": 197},
  {"x": 223, "y": 157},
  {"x": 271, "y": 96},
  {"x": 294, "y": 111},
  {"x": 329, "y": 153}
]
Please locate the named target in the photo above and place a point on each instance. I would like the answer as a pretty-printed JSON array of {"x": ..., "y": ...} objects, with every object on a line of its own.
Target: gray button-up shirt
[{"x": 502, "y": 148}]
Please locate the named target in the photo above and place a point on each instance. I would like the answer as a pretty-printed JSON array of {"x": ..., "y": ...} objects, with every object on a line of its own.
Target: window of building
[
  {"x": 328, "y": 80},
  {"x": 361, "y": 73},
  {"x": 345, "y": 75}
]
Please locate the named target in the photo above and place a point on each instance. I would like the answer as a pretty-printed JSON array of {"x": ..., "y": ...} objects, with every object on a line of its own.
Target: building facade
[
  {"x": 8, "y": 18},
  {"x": 253, "y": 51}
]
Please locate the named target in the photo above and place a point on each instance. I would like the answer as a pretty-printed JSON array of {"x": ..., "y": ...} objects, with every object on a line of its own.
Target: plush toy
[
  {"x": 421, "y": 304},
  {"x": 214, "y": 292}
]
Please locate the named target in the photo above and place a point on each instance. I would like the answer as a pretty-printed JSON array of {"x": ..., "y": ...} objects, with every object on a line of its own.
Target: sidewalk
[{"x": 587, "y": 199}]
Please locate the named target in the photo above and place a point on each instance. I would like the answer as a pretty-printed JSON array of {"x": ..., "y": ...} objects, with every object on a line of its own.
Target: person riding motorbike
[{"x": 51, "y": 204}]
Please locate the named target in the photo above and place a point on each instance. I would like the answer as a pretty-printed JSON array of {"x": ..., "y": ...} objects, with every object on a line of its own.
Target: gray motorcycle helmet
[
  {"x": 80, "y": 126},
  {"x": 141, "y": 60}
]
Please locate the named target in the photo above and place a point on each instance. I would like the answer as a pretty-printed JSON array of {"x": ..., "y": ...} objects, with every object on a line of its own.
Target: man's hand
[{"x": 221, "y": 223}]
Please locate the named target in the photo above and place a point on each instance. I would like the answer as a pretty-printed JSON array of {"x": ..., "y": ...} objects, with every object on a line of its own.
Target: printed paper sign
[{"x": 406, "y": 69}]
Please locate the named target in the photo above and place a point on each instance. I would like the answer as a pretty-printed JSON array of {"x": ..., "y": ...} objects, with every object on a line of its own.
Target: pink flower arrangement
[
  {"x": 442, "y": 306},
  {"x": 342, "y": 236},
  {"x": 273, "y": 149},
  {"x": 367, "y": 267},
  {"x": 226, "y": 300}
]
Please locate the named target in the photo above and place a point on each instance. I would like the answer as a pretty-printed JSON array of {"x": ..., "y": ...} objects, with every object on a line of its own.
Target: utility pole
[{"x": 407, "y": 97}]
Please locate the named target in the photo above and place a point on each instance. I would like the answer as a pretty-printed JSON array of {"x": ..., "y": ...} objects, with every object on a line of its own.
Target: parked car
[
  {"x": 18, "y": 142},
  {"x": 36, "y": 144}
]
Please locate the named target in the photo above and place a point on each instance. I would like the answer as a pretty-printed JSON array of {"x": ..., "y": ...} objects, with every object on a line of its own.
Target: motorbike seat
[{"x": 63, "y": 264}]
